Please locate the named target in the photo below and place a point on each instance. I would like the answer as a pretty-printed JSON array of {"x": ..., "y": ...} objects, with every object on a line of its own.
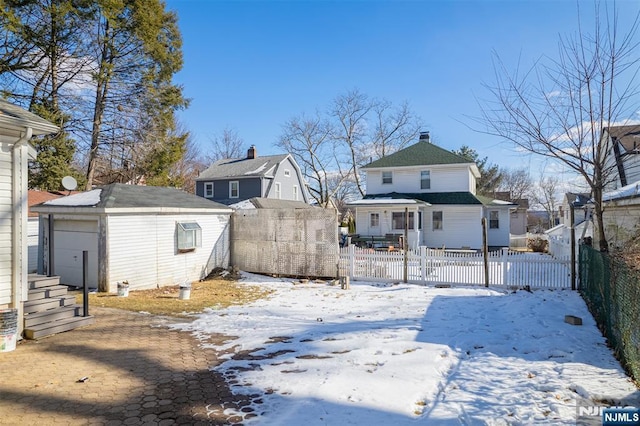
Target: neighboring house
[
  {"x": 621, "y": 215},
  {"x": 623, "y": 156},
  {"x": 17, "y": 126},
  {"x": 33, "y": 226},
  {"x": 436, "y": 189},
  {"x": 518, "y": 225},
  {"x": 579, "y": 202},
  {"x": 233, "y": 180},
  {"x": 148, "y": 236},
  {"x": 537, "y": 221}
]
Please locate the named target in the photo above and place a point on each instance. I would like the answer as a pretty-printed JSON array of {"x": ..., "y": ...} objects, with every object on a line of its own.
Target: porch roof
[{"x": 385, "y": 201}]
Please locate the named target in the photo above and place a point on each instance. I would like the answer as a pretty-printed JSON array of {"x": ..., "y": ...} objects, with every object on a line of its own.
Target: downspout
[{"x": 19, "y": 202}]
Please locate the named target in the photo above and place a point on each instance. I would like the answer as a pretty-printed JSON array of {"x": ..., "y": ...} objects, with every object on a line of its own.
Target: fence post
[
  {"x": 352, "y": 261},
  {"x": 423, "y": 264},
  {"x": 573, "y": 247},
  {"x": 485, "y": 251},
  {"x": 505, "y": 266}
]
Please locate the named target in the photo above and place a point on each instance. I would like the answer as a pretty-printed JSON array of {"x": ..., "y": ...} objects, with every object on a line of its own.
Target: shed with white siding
[{"x": 148, "y": 236}]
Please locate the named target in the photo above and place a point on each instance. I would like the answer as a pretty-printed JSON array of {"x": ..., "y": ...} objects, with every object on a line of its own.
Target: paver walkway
[{"x": 138, "y": 372}]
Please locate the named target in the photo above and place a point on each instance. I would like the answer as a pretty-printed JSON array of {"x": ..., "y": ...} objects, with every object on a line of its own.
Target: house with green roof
[
  {"x": 232, "y": 180},
  {"x": 435, "y": 191}
]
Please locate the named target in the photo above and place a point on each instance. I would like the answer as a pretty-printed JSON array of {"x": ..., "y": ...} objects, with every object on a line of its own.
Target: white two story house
[{"x": 436, "y": 190}]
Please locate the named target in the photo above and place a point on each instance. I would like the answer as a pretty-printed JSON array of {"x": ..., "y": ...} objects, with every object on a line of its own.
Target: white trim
[
  {"x": 207, "y": 186},
  {"x": 231, "y": 182}
]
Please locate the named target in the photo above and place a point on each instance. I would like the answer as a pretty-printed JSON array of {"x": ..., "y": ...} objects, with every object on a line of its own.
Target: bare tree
[
  {"x": 559, "y": 108},
  {"x": 517, "y": 182},
  {"x": 544, "y": 194},
  {"x": 350, "y": 111},
  {"x": 369, "y": 129},
  {"x": 227, "y": 144},
  {"x": 308, "y": 140}
]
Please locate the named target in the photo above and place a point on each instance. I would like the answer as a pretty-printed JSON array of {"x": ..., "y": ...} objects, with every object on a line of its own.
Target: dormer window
[{"x": 387, "y": 178}]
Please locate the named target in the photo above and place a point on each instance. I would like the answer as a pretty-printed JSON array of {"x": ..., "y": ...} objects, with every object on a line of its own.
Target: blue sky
[{"x": 252, "y": 65}]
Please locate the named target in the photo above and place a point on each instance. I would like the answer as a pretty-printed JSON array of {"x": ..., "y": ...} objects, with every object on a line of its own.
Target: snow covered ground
[{"x": 407, "y": 354}]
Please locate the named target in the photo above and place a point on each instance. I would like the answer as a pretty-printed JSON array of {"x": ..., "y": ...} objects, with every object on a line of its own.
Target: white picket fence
[{"x": 428, "y": 266}]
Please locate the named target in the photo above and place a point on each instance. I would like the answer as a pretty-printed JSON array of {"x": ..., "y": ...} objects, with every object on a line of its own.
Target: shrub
[{"x": 538, "y": 245}]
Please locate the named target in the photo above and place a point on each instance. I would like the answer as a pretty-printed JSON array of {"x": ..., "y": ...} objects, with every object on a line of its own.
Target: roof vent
[{"x": 425, "y": 137}]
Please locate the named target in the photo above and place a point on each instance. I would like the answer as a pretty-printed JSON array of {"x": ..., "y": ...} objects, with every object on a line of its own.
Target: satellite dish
[{"x": 69, "y": 183}]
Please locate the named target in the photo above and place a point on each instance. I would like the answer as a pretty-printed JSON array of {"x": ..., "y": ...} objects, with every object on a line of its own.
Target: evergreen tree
[{"x": 490, "y": 174}]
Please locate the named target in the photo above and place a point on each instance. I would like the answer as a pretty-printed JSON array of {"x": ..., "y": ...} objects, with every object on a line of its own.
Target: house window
[
  {"x": 494, "y": 221},
  {"x": 419, "y": 220},
  {"x": 425, "y": 179},
  {"x": 208, "y": 189},
  {"x": 374, "y": 221},
  {"x": 278, "y": 191},
  {"x": 295, "y": 192},
  {"x": 437, "y": 221},
  {"x": 189, "y": 235},
  {"x": 234, "y": 189},
  {"x": 287, "y": 172},
  {"x": 387, "y": 177},
  {"x": 397, "y": 220}
]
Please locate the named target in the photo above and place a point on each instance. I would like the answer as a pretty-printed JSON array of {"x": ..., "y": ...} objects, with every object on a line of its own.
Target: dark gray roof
[
  {"x": 270, "y": 203},
  {"x": 578, "y": 199},
  {"x": 242, "y": 167},
  {"x": 121, "y": 196},
  {"x": 26, "y": 118}
]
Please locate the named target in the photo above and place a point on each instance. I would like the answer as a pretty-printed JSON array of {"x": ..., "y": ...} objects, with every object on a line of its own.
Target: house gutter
[{"x": 19, "y": 200}]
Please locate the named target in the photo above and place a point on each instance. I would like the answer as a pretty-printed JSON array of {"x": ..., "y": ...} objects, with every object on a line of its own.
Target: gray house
[{"x": 230, "y": 181}]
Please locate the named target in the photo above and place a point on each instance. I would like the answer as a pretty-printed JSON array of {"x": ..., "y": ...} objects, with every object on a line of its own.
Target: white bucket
[
  {"x": 123, "y": 290},
  {"x": 185, "y": 291},
  {"x": 8, "y": 342}
]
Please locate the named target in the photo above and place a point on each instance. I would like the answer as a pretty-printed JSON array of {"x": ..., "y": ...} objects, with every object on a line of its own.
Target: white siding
[
  {"x": 142, "y": 249},
  {"x": 445, "y": 178},
  {"x": 499, "y": 237},
  {"x": 6, "y": 217},
  {"x": 461, "y": 227},
  {"x": 33, "y": 226}
]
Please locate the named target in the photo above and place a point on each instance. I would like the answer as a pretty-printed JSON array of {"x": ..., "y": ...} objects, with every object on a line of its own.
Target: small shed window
[{"x": 189, "y": 236}]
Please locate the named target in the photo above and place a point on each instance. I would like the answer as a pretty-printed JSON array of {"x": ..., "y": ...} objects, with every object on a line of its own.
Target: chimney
[
  {"x": 424, "y": 137},
  {"x": 251, "y": 153}
]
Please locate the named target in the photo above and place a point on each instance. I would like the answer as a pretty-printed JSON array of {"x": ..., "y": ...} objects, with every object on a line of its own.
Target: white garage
[{"x": 147, "y": 236}]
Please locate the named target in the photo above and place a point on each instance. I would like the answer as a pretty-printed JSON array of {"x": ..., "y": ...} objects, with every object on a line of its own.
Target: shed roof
[
  {"x": 11, "y": 114},
  {"x": 242, "y": 167},
  {"x": 118, "y": 196}
]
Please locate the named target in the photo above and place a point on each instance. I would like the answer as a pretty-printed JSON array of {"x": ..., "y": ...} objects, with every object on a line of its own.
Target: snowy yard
[{"x": 408, "y": 354}]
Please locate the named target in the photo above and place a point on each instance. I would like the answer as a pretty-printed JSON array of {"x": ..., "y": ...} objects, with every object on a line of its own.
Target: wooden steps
[{"x": 49, "y": 309}]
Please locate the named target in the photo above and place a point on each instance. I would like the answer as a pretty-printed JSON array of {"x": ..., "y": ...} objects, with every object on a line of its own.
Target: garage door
[{"x": 68, "y": 246}]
